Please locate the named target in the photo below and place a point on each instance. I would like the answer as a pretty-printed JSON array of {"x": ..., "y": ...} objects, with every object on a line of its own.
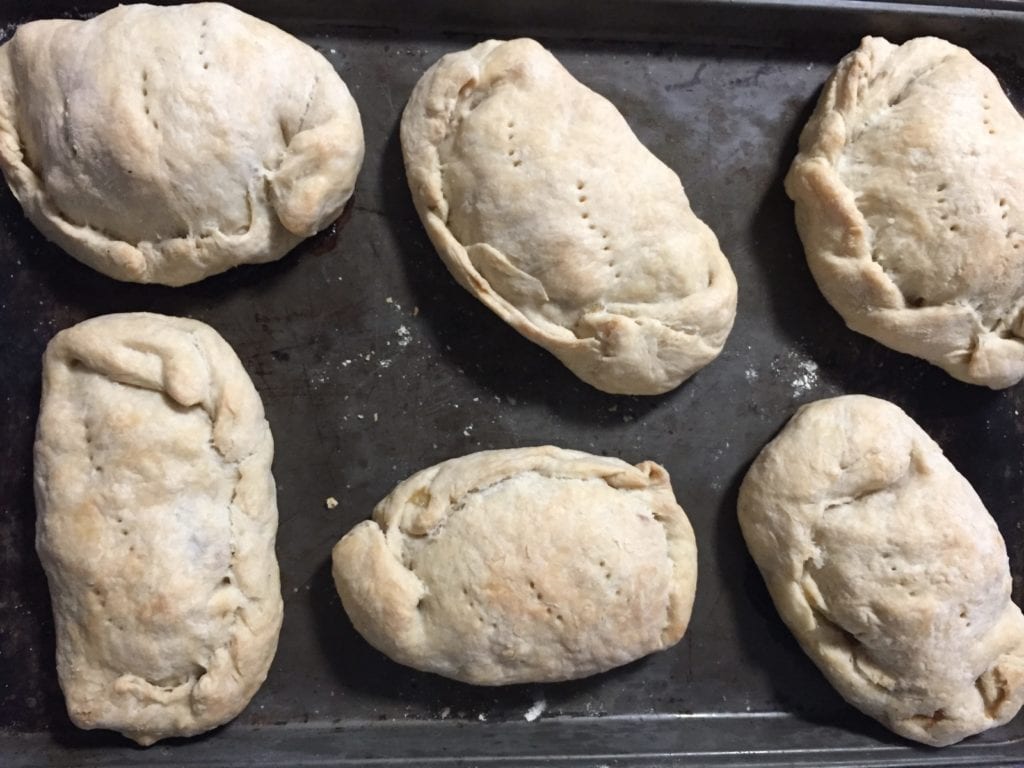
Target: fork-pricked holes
[
  {"x": 513, "y": 153},
  {"x": 940, "y": 190},
  {"x": 145, "y": 100},
  {"x": 986, "y": 106},
  {"x": 1012, "y": 235},
  {"x": 583, "y": 199},
  {"x": 203, "y": 42}
]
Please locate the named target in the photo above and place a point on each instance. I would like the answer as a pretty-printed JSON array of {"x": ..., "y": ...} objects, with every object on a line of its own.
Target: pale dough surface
[
  {"x": 888, "y": 569},
  {"x": 521, "y": 565},
  {"x": 166, "y": 144},
  {"x": 909, "y": 191},
  {"x": 157, "y": 515},
  {"x": 546, "y": 207}
]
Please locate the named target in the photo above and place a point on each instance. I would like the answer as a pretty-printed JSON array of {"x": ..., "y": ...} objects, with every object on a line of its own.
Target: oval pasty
[
  {"x": 166, "y": 144},
  {"x": 909, "y": 191},
  {"x": 524, "y": 565},
  {"x": 888, "y": 569},
  {"x": 156, "y": 522},
  {"x": 546, "y": 207}
]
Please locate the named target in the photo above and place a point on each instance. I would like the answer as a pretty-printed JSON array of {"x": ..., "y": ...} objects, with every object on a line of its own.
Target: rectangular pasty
[{"x": 156, "y": 523}]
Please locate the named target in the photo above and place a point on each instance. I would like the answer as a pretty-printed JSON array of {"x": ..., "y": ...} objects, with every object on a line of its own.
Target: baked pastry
[
  {"x": 887, "y": 568},
  {"x": 909, "y": 191},
  {"x": 522, "y": 565},
  {"x": 166, "y": 144},
  {"x": 156, "y": 522},
  {"x": 546, "y": 207}
]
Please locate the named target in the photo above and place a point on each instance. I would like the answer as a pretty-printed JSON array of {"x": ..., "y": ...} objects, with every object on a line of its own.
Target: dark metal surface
[{"x": 373, "y": 363}]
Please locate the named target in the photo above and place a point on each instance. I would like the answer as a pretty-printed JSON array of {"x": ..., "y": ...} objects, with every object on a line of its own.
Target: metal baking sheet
[{"x": 373, "y": 363}]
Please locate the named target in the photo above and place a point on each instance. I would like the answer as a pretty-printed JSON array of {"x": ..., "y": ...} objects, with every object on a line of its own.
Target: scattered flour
[
  {"x": 804, "y": 372},
  {"x": 806, "y": 378}
]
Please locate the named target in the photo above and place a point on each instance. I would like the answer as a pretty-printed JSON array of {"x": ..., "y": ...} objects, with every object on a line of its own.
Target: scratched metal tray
[{"x": 373, "y": 363}]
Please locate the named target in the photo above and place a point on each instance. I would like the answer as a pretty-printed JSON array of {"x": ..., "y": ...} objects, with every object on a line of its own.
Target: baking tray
[{"x": 373, "y": 363}]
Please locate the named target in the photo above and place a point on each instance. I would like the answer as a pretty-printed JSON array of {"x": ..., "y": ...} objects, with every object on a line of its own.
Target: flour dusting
[
  {"x": 800, "y": 372},
  {"x": 806, "y": 377}
]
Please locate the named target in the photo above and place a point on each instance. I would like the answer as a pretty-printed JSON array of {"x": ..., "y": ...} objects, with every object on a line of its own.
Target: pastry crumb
[
  {"x": 536, "y": 710},
  {"x": 330, "y": 502}
]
